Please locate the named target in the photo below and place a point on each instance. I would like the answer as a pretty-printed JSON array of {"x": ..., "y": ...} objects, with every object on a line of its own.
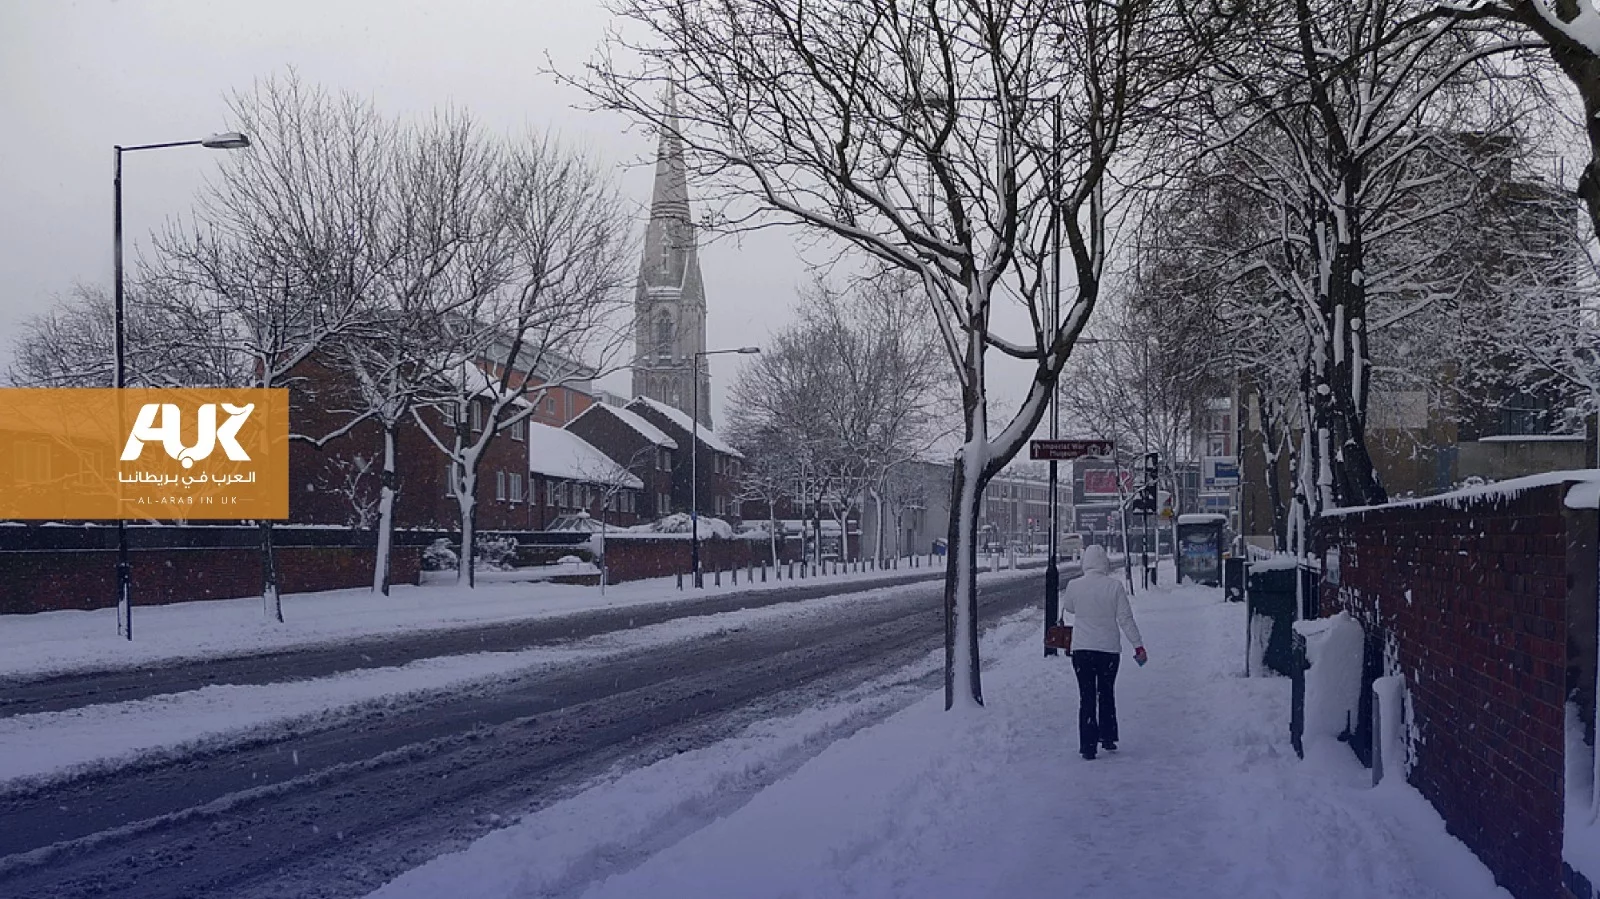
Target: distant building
[
  {"x": 567, "y": 474},
  {"x": 638, "y": 447},
  {"x": 717, "y": 465}
]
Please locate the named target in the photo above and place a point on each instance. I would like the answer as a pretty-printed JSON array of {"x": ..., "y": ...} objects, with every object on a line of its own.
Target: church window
[{"x": 664, "y": 336}]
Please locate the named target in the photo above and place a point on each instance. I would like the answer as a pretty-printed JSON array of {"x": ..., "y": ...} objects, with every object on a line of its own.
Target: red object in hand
[{"x": 1139, "y": 655}]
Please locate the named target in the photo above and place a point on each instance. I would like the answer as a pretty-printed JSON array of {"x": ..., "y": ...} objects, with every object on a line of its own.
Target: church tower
[{"x": 670, "y": 303}]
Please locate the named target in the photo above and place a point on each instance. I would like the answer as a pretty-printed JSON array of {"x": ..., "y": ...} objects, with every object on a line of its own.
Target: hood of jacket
[{"x": 1096, "y": 560}]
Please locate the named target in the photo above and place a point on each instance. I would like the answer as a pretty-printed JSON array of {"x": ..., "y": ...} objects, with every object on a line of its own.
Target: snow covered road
[{"x": 336, "y": 806}]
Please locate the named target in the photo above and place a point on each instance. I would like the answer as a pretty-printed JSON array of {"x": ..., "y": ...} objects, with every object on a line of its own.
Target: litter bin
[
  {"x": 1233, "y": 579},
  {"x": 1200, "y": 549},
  {"x": 1269, "y": 609}
]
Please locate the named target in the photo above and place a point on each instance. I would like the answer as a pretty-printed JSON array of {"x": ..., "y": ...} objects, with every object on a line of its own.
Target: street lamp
[
  {"x": 227, "y": 140},
  {"x": 694, "y": 460}
]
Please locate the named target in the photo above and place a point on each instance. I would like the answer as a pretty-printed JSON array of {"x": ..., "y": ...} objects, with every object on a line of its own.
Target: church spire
[{"x": 670, "y": 302}]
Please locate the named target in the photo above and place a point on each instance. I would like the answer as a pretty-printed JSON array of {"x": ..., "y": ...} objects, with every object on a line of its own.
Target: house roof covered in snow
[
  {"x": 558, "y": 453},
  {"x": 633, "y": 420},
  {"x": 683, "y": 421}
]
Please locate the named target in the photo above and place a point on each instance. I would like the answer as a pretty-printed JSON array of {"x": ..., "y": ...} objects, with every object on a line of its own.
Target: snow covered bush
[
  {"x": 679, "y": 523},
  {"x": 439, "y": 556},
  {"x": 496, "y": 553}
]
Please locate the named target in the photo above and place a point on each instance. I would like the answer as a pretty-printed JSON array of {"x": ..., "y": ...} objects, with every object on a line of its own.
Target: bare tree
[
  {"x": 283, "y": 252},
  {"x": 441, "y": 251},
  {"x": 923, "y": 134},
  {"x": 1351, "y": 122},
  {"x": 1570, "y": 33},
  {"x": 563, "y": 238},
  {"x": 67, "y": 345}
]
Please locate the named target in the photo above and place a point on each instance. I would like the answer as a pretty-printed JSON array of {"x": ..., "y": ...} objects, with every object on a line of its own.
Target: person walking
[{"x": 1099, "y": 604}]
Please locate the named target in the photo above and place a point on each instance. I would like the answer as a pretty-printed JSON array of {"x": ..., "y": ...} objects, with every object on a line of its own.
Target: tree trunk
[
  {"x": 389, "y": 480},
  {"x": 962, "y": 674},
  {"x": 877, "y": 538},
  {"x": 467, "y": 496},
  {"x": 772, "y": 531},
  {"x": 271, "y": 598}
]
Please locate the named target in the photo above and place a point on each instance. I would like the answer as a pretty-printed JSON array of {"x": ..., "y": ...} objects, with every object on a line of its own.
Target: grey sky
[{"x": 79, "y": 76}]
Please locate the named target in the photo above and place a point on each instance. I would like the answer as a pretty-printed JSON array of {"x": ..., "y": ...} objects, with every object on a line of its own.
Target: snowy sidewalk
[{"x": 1205, "y": 798}]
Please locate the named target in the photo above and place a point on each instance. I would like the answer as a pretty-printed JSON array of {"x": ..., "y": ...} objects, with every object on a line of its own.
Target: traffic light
[
  {"x": 1145, "y": 500},
  {"x": 1152, "y": 467}
]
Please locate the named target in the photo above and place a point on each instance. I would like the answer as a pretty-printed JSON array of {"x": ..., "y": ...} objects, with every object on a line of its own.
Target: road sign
[
  {"x": 1063, "y": 450},
  {"x": 1219, "y": 471}
]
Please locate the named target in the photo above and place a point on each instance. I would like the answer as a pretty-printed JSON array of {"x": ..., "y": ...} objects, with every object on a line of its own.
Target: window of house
[
  {"x": 664, "y": 459},
  {"x": 663, "y": 504},
  {"x": 549, "y": 494},
  {"x": 563, "y": 494},
  {"x": 500, "y": 486},
  {"x": 550, "y": 403},
  {"x": 519, "y": 429},
  {"x": 449, "y": 479},
  {"x": 516, "y": 488},
  {"x": 477, "y": 416}
]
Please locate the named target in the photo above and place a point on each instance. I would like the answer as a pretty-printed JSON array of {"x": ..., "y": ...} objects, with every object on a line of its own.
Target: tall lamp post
[
  {"x": 694, "y": 461},
  {"x": 228, "y": 140}
]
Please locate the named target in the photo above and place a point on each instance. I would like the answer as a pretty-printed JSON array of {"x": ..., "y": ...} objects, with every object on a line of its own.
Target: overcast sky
[{"x": 79, "y": 76}]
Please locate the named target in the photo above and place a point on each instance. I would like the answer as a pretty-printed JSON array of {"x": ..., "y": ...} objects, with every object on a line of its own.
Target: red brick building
[
  {"x": 637, "y": 446},
  {"x": 571, "y": 475},
  {"x": 718, "y": 463},
  {"x": 337, "y": 481}
]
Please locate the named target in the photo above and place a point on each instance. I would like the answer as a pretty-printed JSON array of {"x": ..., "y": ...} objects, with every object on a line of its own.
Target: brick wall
[
  {"x": 39, "y": 581},
  {"x": 1468, "y": 599}
]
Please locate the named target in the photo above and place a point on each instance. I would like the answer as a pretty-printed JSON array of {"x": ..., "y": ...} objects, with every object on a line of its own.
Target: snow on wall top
[
  {"x": 1502, "y": 491},
  {"x": 1584, "y": 496},
  {"x": 685, "y": 422},
  {"x": 1533, "y": 438},
  {"x": 636, "y": 421},
  {"x": 557, "y": 453}
]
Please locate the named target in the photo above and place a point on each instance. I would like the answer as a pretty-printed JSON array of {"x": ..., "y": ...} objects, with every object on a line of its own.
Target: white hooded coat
[{"x": 1099, "y": 604}]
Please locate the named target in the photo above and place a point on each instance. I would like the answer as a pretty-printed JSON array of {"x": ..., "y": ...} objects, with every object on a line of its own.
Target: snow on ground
[
  {"x": 1205, "y": 798},
  {"x": 54, "y": 642},
  {"x": 53, "y": 744}
]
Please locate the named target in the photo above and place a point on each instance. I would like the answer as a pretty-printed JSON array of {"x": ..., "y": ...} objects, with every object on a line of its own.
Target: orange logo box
[{"x": 186, "y": 454}]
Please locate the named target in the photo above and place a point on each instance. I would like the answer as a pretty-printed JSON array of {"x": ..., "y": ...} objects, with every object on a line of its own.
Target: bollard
[
  {"x": 716, "y": 577},
  {"x": 680, "y": 580},
  {"x": 734, "y": 571},
  {"x": 763, "y": 571}
]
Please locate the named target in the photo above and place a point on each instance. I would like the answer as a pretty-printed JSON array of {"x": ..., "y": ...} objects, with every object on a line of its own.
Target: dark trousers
[{"x": 1097, "y": 701}]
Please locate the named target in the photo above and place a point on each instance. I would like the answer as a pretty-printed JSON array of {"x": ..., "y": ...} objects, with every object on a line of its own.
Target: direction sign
[{"x": 1062, "y": 450}]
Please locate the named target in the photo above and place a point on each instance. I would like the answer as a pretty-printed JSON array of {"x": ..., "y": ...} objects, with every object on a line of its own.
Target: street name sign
[{"x": 1063, "y": 450}]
